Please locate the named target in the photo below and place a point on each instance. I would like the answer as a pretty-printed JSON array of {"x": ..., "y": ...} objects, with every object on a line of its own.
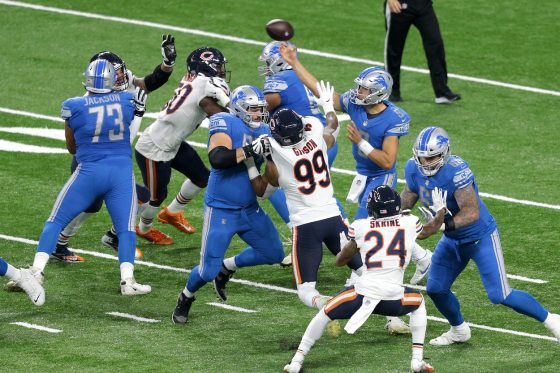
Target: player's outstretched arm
[
  {"x": 330, "y": 133},
  {"x": 408, "y": 198},
  {"x": 289, "y": 53},
  {"x": 162, "y": 72},
  {"x": 347, "y": 252},
  {"x": 70, "y": 141},
  {"x": 439, "y": 206},
  {"x": 263, "y": 185}
]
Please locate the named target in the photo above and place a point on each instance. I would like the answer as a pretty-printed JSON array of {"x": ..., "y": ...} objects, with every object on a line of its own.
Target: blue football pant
[
  {"x": 254, "y": 227},
  {"x": 111, "y": 179},
  {"x": 389, "y": 179},
  {"x": 450, "y": 259},
  {"x": 3, "y": 267}
]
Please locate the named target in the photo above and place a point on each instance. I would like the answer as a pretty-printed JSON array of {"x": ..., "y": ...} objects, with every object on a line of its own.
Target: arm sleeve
[
  {"x": 221, "y": 157},
  {"x": 156, "y": 79}
]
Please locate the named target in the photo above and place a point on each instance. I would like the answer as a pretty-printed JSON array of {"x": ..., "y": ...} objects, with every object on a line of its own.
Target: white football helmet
[
  {"x": 247, "y": 97},
  {"x": 432, "y": 142},
  {"x": 271, "y": 59},
  {"x": 377, "y": 81},
  {"x": 100, "y": 76}
]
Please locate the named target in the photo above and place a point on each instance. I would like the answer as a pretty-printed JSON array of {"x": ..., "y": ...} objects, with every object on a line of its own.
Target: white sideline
[
  {"x": 50, "y": 134},
  {"x": 37, "y": 327},
  {"x": 261, "y": 285},
  {"x": 132, "y": 317},
  {"x": 214, "y": 35},
  {"x": 232, "y": 308},
  {"x": 499, "y": 330}
]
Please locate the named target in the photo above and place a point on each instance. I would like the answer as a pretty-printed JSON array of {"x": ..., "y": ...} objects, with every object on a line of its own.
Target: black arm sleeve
[
  {"x": 156, "y": 79},
  {"x": 221, "y": 157}
]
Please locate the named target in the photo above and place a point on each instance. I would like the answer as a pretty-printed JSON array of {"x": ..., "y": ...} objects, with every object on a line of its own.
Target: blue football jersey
[
  {"x": 393, "y": 121},
  {"x": 294, "y": 95},
  {"x": 231, "y": 188},
  {"x": 100, "y": 123},
  {"x": 454, "y": 175}
]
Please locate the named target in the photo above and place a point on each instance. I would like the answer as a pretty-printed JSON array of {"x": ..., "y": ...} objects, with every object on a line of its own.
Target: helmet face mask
[
  {"x": 271, "y": 59},
  {"x": 287, "y": 127},
  {"x": 121, "y": 83},
  {"x": 248, "y": 104},
  {"x": 373, "y": 85},
  {"x": 383, "y": 202},
  {"x": 99, "y": 77},
  {"x": 431, "y": 150},
  {"x": 209, "y": 62}
]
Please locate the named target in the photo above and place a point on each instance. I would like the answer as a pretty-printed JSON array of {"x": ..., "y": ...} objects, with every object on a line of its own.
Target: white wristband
[
  {"x": 328, "y": 108},
  {"x": 251, "y": 169},
  {"x": 365, "y": 147}
]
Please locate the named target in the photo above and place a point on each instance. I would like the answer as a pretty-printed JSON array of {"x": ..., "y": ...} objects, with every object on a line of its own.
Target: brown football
[{"x": 279, "y": 29}]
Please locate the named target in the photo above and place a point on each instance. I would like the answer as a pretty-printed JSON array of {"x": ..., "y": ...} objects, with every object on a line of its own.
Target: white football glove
[
  {"x": 130, "y": 77},
  {"x": 140, "y": 98},
  {"x": 439, "y": 199},
  {"x": 218, "y": 89},
  {"x": 261, "y": 145},
  {"x": 325, "y": 99}
]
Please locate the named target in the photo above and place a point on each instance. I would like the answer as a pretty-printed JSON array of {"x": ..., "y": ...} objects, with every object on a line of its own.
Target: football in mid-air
[{"x": 279, "y": 29}]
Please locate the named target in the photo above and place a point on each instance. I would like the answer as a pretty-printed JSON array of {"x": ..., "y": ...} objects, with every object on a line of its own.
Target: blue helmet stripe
[
  {"x": 98, "y": 82},
  {"x": 426, "y": 137}
]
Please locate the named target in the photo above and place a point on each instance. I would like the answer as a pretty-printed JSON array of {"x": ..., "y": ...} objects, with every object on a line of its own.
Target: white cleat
[
  {"x": 452, "y": 336},
  {"x": 395, "y": 325},
  {"x": 39, "y": 276},
  {"x": 293, "y": 367},
  {"x": 287, "y": 261},
  {"x": 422, "y": 267},
  {"x": 28, "y": 283},
  {"x": 131, "y": 287},
  {"x": 552, "y": 323},
  {"x": 418, "y": 366}
]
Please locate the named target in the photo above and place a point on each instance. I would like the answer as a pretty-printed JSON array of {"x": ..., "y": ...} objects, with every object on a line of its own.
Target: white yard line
[
  {"x": 37, "y": 327},
  {"x": 235, "y": 39},
  {"x": 499, "y": 330},
  {"x": 256, "y": 284},
  {"x": 49, "y": 134},
  {"x": 232, "y": 308},
  {"x": 132, "y": 317}
]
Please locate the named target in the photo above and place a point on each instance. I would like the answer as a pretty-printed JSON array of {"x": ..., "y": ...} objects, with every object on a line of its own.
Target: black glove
[
  {"x": 168, "y": 50},
  {"x": 140, "y": 97}
]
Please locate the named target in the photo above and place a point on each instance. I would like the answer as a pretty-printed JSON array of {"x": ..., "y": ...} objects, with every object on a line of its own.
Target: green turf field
[{"x": 509, "y": 135}]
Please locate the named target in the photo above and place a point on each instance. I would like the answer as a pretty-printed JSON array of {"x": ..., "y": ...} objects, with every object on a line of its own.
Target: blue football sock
[
  {"x": 195, "y": 282},
  {"x": 448, "y": 304},
  {"x": 49, "y": 237},
  {"x": 524, "y": 303},
  {"x": 3, "y": 267}
]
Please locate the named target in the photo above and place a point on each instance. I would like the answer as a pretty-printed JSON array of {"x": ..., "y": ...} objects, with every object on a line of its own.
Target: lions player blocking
[
  {"x": 162, "y": 146},
  {"x": 470, "y": 233},
  {"x": 230, "y": 204},
  {"x": 97, "y": 132},
  {"x": 385, "y": 241},
  {"x": 299, "y": 147}
]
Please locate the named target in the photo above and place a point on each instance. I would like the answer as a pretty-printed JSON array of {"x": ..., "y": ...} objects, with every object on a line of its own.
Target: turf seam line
[
  {"x": 232, "y": 308},
  {"x": 36, "y": 327},
  {"x": 132, "y": 317}
]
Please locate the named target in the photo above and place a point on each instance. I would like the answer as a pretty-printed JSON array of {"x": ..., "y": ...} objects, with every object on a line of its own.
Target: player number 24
[{"x": 395, "y": 247}]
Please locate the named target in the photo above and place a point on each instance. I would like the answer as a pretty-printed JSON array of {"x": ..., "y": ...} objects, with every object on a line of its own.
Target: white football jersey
[
  {"x": 386, "y": 248},
  {"x": 303, "y": 173},
  {"x": 180, "y": 117}
]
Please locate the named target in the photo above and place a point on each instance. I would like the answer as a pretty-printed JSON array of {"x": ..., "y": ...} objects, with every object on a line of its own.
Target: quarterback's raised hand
[
  {"x": 326, "y": 93},
  {"x": 168, "y": 51},
  {"x": 140, "y": 98}
]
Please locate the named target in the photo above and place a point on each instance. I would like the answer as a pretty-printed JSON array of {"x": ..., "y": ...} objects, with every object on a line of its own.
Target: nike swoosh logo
[{"x": 36, "y": 299}]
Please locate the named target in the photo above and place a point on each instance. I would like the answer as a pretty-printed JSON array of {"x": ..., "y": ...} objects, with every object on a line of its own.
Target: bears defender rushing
[
  {"x": 126, "y": 81},
  {"x": 25, "y": 280},
  {"x": 375, "y": 132},
  {"x": 283, "y": 89},
  {"x": 299, "y": 165},
  {"x": 385, "y": 241},
  {"x": 230, "y": 204},
  {"x": 162, "y": 146},
  {"x": 97, "y": 132},
  {"x": 470, "y": 233}
]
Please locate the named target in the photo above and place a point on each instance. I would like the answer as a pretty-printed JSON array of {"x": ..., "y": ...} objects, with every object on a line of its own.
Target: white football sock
[
  {"x": 310, "y": 296},
  {"x": 127, "y": 270},
  {"x": 40, "y": 261},
  {"x": 187, "y": 293},
  {"x": 418, "y": 252},
  {"x": 186, "y": 194},
  {"x": 417, "y": 323},
  {"x": 312, "y": 334},
  {"x": 13, "y": 273},
  {"x": 229, "y": 263},
  {"x": 147, "y": 217}
]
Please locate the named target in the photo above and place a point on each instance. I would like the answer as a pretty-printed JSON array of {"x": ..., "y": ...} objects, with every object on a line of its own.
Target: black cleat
[
  {"x": 65, "y": 255},
  {"x": 220, "y": 282},
  {"x": 111, "y": 240},
  {"x": 448, "y": 98},
  {"x": 181, "y": 312}
]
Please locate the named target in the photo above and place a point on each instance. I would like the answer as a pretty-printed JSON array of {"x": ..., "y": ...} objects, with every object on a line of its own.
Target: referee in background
[{"x": 399, "y": 16}]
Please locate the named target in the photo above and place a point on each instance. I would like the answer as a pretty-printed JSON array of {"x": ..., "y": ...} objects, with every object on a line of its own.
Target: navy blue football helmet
[
  {"x": 207, "y": 61},
  {"x": 286, "y": 127},
  {"x": 383, "y": 202}
]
